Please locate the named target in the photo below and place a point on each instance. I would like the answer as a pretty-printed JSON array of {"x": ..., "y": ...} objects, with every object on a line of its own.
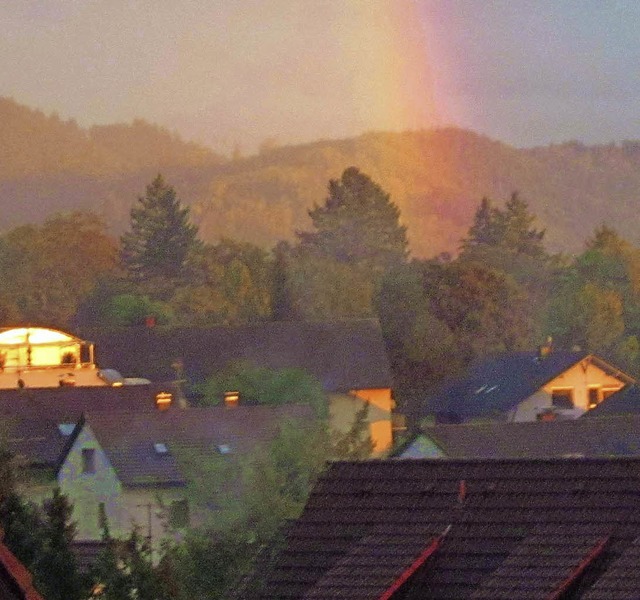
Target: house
[
  {"x": 40, "y": 357},
  {"x": 493, "y": 529},
  {"x": 617, "y": 435},
  {"x": 528, "y": 386},
  {"x": 128, "y": 466},
  {"x": 16, "y": 582},
  {"x": 624, "y": 402},
  {"x": 348, "y": 358}
]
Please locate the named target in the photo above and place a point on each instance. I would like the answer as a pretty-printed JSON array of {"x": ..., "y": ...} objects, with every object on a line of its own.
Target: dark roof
[
  {"x": 497, "y": 384},
  {"x": 514, "y": 529},
  {"x": 37, "y": 440},
  {"x": 617, "y": 435},
  {"x": 66, "y": 404},
  {"x": 15, "y": 578},
  {"x": 129, "y": 438},
  {"x": 343, "y": 355},
  {"x": 625, "y": 401}
]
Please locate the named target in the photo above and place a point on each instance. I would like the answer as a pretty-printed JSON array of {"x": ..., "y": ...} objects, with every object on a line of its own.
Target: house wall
[
  {"x": 422, "y": 447},
  {"x": 148, "y": 509},
  {"x": 87, "y": 490},
  {"x": 580, "y": 378},
  {"x": 343, "y": 409}
]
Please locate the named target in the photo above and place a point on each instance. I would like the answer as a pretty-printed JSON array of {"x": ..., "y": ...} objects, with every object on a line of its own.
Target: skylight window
[
  {"x": 224, "y": 448},
  {"x": 160, "y": 448},
  {"x": 66, "y": 429}
]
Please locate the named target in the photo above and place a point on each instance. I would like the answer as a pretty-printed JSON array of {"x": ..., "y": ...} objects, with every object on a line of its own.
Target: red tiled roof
[{"x": 15, "y": 578}]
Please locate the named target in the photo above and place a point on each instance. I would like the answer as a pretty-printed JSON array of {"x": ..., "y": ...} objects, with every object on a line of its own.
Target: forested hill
[{"x": 437, "y": 178}]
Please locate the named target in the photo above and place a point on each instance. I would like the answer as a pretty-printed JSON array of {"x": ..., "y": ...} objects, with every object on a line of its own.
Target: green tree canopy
[
  {"x": 161, "y": 236},
  {"x": 358, "y": 224}
]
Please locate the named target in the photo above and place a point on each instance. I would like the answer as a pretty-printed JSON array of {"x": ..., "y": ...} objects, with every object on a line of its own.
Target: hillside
[{"x": 436, "y": 177}]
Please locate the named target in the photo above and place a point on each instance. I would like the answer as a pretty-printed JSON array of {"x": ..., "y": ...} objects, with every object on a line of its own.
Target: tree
[
  {"x": 510, "y": 229},
  {"x": 46, "y": 271},
  {"x": 357, "y": 225},
  {"x": 57, "y": 569},
  {"x": 261, "y": 385},
  {"x": 161, "y": 237}
]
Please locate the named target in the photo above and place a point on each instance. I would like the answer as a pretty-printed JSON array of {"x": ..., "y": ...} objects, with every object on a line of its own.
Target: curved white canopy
[{"x": 34, "y": 336}]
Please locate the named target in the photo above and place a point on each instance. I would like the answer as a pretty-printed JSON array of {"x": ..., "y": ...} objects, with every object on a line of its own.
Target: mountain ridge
[{"x": 436, "y": 177}]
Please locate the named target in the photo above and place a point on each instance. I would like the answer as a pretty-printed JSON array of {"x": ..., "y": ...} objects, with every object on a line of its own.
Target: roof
[
  {"x": 342, "y": 355},
  {"x": 624, "y": 401},
  {"x": 129, "y": 438},
  {"x": 499, "y": 383},
  {"x": 37, "y": 440},
  {"x": 68, "y": 403},
  {"x": 15, "y": 578},
  {"x": 617, "y": 435},
  {"x": 513, "y": 528}
]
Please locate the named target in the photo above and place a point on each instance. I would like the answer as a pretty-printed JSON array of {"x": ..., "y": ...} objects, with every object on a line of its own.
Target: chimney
[
  {"x": 545, "y": 349},
  {"x": 163, "y": 400},
  {"x": 231, "y": 399}
]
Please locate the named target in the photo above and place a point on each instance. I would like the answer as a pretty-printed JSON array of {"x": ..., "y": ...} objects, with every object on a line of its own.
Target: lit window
[
  {"x": 594, "y": 397},
  {"x": 88, "y": 460}
]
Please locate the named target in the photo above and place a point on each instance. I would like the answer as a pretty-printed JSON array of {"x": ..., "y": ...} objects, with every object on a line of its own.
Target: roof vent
[{"x": 160, "y": 448}]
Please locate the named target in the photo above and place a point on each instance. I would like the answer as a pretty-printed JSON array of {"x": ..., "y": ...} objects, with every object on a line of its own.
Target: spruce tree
[
  {"x": 161, "y": 236},
  {"x": 358, "y": 225}
]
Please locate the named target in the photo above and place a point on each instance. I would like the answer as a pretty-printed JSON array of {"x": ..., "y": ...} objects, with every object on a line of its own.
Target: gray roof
[
  {"x": 605, "y": 436},
  {"x": 342, "y": 355},
  {"x": 130, "y": 438},
  {"x": 499, "y": 383}
]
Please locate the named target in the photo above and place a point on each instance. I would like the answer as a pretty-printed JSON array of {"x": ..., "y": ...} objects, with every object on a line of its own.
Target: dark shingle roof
[
  {"x": 505, "y": 517},
  {"x": 66, "y": 404},
  {"x": 129, "y": 438},
  {"x": 343, "y": 355},
  {"x": 625, "y": 401},
  {"x": 497, "y": 384},
  {"x": 606, "y": 436}
]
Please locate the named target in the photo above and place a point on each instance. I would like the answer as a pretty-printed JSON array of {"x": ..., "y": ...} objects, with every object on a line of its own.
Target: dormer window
[{"x": 562, "y": 398}]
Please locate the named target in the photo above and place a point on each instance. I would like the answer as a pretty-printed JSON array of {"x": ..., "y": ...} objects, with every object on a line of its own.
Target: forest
[{"x": 435, "y": 177}]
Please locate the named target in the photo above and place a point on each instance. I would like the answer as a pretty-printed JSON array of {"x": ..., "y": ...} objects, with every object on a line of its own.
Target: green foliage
[
  {"x": 321, "y": 288},
  {"x": 228, "y": 283},
  {"x": 47, "y": 271},
  {"x": 56, "y": 568},
  {"x": 161, "y": 237},
  {"x": 358, "y": 225},
  {"x": 131, "y": 309},
  {"x": 261, "y": 385}
]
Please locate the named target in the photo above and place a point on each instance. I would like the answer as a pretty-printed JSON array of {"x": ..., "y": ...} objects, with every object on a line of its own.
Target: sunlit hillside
[{"x": 436, "y": 177}]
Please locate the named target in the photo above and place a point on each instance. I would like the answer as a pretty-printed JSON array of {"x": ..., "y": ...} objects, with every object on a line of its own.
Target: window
[
  {"x": 160, "y": 448},
  {"x": 594, "y": 397},
  {"x": 179, "y": 514},
  {"x": 88, "y": 460},
  {"x": 102, "y": 515},
  {"x": 562, "y": 398}
]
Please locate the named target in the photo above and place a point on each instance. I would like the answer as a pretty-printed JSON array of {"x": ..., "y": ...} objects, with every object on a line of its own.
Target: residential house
[
  {"x": 40, "y": 357},
  {"x": 493, "y": 529},
  {"x": 529, "y": 386},
  {"x": 624, "y": 402},
  {"x": 128, "y": 466},
  {"x": 617, "y": 435},
  {"x": 347, "y": 357}
]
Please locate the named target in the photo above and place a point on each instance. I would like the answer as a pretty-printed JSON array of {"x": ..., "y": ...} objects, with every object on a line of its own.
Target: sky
[{"x": 237, "y": 73}]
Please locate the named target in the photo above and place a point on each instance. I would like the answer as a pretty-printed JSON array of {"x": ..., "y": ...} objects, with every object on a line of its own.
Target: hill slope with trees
[{"x": 435, "y": 177}]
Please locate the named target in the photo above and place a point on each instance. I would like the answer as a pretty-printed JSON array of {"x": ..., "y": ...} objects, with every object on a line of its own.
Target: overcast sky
[{"x": 235, "y": 72}]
